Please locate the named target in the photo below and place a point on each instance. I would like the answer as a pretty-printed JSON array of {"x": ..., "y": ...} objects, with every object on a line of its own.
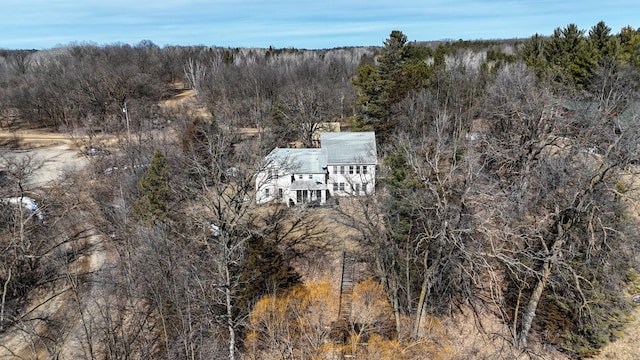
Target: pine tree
[
  {"x": 630, "y": 46},
  {"x": 605, "y": 45},
  {"x": 533, "y": 54},
  {"x": 153, "y": 204},
  {"x": 400, "y": 69},
  {"x": 264, "y": 272},
  {"x": 570, "y": 57}
]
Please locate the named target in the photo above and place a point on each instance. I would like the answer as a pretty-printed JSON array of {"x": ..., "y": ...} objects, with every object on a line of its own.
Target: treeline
[
  {"x": 505, "y": 180},
  {"x": 86, "y": 87}
]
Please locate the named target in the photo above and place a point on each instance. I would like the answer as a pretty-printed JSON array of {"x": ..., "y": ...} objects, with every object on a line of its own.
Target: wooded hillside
[{"x": 505, "y": 199}]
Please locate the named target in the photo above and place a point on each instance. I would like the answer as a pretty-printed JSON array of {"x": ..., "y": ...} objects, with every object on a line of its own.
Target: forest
[{"x": 505, "y": 201}]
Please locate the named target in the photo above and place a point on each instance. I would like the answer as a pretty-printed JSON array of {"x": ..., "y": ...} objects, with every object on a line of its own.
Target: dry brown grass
[{"x": 627, "y": 346}]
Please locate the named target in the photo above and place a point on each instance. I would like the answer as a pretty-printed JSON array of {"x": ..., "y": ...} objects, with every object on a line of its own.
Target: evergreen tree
[
  {"x": 264, "y": 272},
  {"x": 439, "y": 57},
  {"x": 370, "y": 86},
  {"x": 630, "y": 46},
  {"x": 571, "y": 59},
  {"x": 401, "y": 184},
  {"x": 533, "y": 54},
  {"x": 153, "y": 204},
  {"x": 605, "y": 46},
  {"x": 400, "y": 69}
]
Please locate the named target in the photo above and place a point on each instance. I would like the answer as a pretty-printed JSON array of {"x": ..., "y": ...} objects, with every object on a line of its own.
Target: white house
[{"x": 344, "y": 165}]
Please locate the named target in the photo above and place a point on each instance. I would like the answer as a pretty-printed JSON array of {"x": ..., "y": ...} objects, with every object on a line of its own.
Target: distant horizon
[
  {"x": 116, "y": 43},
  {"x": 49, "y": 24}
]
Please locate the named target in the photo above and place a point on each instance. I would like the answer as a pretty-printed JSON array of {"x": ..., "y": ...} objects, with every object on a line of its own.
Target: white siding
[
  {"x": 272, "y": 181},
  {"x": 349, "y": 181}
]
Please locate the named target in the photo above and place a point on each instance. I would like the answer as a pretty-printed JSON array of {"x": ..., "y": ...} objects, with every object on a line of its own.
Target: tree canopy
[{"x": 399, "y": 69}]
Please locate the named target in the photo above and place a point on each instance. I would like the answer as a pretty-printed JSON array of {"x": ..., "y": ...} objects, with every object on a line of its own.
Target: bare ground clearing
[{"x": 57, "y": 154}]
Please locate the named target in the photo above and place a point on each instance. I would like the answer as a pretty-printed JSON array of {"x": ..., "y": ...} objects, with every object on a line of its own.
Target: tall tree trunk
[
  {"x": 420, "y": 307},
  {"x": 230, "y": 325},
  {"x": 532, "y": 305},
  {"x": 423, "y": 295},
  {"x": 4, "y": 297},
  {"x": 530, "y": 311}
]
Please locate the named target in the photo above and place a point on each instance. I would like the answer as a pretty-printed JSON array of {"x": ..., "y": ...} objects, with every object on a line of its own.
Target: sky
[{"x": 303, "y": 24}]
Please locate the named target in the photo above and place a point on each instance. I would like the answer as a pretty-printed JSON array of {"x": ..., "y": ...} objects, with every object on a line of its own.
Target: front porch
[{"x": 307, "y": 192}]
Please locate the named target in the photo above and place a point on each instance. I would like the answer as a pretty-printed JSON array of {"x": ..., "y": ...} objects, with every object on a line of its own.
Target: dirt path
[
  {"x": 52, "y": 162},
  {"x": 59, "y": 323},
  {"x": 74, "y": 307}
]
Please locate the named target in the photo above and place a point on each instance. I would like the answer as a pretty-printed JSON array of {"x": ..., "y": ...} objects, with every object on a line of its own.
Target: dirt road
[{"x": 52, "y": 153}]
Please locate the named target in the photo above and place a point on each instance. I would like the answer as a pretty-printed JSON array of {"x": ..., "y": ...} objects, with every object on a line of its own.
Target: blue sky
[{"x": 317, "y": 24}]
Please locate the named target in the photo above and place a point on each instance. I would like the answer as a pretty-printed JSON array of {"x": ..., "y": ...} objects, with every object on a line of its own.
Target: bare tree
[
  {"x": 419, "y": 231},
  {"x": 305, "y": 112},
  {"x": 558, "y": 198},
  {"x": 195, "y": 72},
  {"x": 20, "y": 60}
]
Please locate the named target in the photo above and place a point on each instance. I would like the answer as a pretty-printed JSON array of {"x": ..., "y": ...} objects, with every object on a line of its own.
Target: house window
[
  {"x": 364, "y": 188},
  {"x": 310, "y": 177},
  {"x": 335, "y": 187},
  {"x": 341, "y": 169},
  {"x": 280, "y": 193},
  {"x": 267, "y": 192},
  {"x": 299, "y": 177},
  {"x": 341, "y": 186},
  {"x": 357, "y": 169},
  {"x": 364, "y": 170},
  {"x": 335, "y": 169},
  {"x": 357, "y": 188},
  {"x": 350, "y": 169}
]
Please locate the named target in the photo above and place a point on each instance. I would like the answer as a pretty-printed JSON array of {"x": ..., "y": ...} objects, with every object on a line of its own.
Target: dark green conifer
[
  {"x": 153, "y": 203},
  {"x": 264, "y": 272},
  {"x": 400, "y": 69}
]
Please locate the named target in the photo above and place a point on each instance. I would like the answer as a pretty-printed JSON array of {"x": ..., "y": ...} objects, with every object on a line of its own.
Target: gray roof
[
  {"x": 300, "y": 161},
  {"x": 336, "y": 148},
  {"x": 349, "y": 147}
]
